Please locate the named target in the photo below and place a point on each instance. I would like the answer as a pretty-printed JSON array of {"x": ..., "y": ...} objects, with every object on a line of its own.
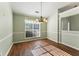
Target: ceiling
[{"x": 29, "y": 8}]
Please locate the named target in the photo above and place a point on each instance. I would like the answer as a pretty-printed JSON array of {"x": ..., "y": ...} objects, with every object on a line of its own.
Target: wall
[
  {"x": 52, "y": 26},
  {"x": 19, "y": 27},
  {"x": 43, "y": 30},
  {"x": 71, "y": 38},
  {"x": 5, "y": 28}
]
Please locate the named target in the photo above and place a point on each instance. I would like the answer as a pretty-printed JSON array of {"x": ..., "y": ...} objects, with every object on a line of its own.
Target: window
[{"x": 32, "y": 29}]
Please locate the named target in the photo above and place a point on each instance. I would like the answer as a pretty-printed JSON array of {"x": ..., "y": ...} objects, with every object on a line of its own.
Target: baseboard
[
  {"x": 27, "y": 40},
  {"x": 9, "y": 50},
  {"x": 22, "y": 41},
  {"x": 70, "y": 46},
  {"x": 52, "y": 39},
  {"x": 64, "y": 44}
]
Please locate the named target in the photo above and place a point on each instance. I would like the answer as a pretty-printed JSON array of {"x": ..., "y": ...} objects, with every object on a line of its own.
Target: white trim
[
  {"x": 71, "y": 33},
  {"x": 6, "y": 37},
  {"x": 70, "y": 46},
  {"x": 27, "y": 40},
  {"x": 9, "y": 50},
  {"x": 18, "y": 32},
  {"x": 24, "y": 32},
  {"x": 22, "y": 41},
  {"x": 70, "y": 12},
  {"x": 52, "y": 39},
  {"x": 35, "y": 37}
]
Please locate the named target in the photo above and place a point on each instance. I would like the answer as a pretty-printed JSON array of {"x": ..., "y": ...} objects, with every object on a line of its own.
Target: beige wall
[
  {"x": 5, "y": 28},
  {"x": 43, "y": 30},
  {"x": 52, "y": 26}
]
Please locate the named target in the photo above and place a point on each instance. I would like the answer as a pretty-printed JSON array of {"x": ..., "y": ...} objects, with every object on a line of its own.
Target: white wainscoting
[
  {"x": 24, "y": 39},
  {"x": 6, "y": 44},
  {"x": 52, "y": 36},
  {"x": 71, "y": 39}
]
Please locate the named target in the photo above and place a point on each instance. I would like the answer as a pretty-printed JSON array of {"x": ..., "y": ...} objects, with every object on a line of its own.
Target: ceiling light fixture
[{"x": 41, "y": 19}]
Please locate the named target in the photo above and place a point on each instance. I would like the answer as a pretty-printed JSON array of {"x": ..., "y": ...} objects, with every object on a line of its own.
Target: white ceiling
[{"x": 29, "y": 8}]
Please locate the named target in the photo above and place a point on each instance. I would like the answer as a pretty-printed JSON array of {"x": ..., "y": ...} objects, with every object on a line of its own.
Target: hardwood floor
[{"x": 43, "y": 47}]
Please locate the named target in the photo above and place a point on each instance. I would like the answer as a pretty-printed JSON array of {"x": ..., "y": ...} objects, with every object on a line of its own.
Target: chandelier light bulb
[{"x": 37, "y": 20}]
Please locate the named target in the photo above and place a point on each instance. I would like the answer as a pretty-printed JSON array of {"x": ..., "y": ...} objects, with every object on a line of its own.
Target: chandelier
[{"x": 41, "y": 18}]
